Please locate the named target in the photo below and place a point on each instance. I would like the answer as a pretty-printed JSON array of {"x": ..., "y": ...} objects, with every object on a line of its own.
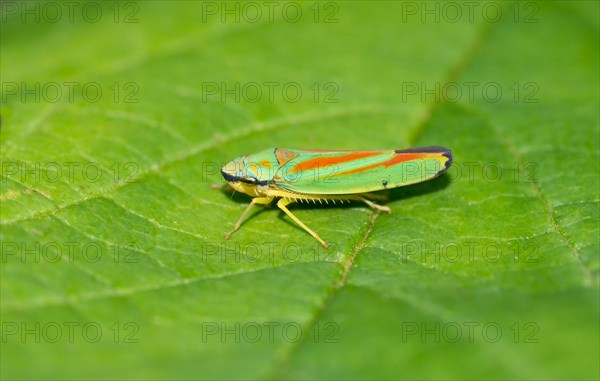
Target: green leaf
[{"x": 113, "y": 258}]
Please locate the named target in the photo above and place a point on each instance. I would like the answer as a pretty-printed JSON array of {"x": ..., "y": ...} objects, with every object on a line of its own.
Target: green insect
[{"x": 307, "y": 175}]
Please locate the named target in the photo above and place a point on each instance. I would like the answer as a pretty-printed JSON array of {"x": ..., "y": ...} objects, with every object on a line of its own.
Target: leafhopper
[{"x": 294, "y": 175}]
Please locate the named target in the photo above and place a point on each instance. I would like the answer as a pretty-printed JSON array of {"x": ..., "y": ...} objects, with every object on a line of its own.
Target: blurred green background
[{"x": 116, "y": 117}]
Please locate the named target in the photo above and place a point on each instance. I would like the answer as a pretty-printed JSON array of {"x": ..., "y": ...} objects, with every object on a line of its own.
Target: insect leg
[
  {"x": 282, "y": 205},
  {"x": 257, "y": 200},
  {"x": 373, "y": 205}
]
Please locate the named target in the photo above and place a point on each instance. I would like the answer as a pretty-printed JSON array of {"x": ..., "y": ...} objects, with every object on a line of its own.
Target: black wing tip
[
  {"x": 447, "y": 153},
  {"x": 432, "y": 149},
  {"x": 428, "y": 149}
]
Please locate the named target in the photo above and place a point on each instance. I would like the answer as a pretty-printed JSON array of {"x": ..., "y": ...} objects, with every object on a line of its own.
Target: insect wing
[{"x": 349, "y": 172}]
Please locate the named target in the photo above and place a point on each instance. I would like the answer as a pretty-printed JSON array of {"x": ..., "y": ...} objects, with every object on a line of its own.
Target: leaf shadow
[{"x": 420, "y": 189}]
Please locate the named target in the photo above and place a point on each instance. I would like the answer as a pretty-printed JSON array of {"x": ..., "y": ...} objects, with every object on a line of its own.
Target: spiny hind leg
[
  {"x": 373, "y": 205},
  {"x": 256, "y": 200},
  {"x": 282, "y": 203}
]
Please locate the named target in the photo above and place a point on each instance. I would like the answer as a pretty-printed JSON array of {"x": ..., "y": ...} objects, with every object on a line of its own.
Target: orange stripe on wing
[
  {"x": 404, "y": 157},
  {"x": 321, "y": 162},
  {"x": 265, "y": 163},
  {"x": 397, "y": 159}
]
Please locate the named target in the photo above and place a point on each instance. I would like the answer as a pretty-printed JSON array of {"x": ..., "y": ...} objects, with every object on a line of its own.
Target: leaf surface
[{"x": 113, "y": 258}]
